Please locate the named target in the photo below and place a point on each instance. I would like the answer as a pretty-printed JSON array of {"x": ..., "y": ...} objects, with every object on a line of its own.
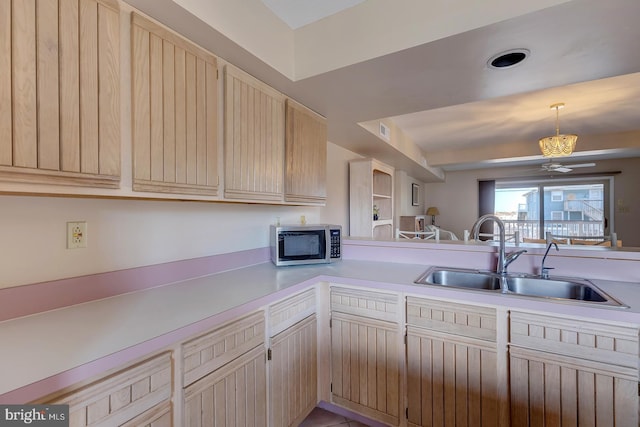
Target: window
[{"x": 576, "y": 208}]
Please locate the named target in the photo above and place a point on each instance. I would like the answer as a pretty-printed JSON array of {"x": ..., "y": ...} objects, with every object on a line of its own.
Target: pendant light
[{"x": 558, "y": 145}]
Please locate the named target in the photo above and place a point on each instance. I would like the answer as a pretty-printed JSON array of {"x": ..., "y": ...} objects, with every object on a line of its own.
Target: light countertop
[{"x": 38, "y": 346}]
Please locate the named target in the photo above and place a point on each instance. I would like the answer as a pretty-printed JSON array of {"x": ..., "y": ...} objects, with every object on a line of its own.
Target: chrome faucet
[
  {"x": 503, "y": 259},
  {"x": 544, "y": 271}
]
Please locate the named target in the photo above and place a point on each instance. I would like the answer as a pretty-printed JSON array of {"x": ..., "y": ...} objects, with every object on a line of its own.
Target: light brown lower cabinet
[
  {"x": 450, "y": 381},
  {"x": 452, "y": 361},
  {"x": 234, "y": 395},
  {"x": 137, "y": 395},
  {"x": 366, "y": 354},
  {"x": 224, "y": 375},
  {"x": 294, "y": 373},
  {"x": 567, "y": 372}
]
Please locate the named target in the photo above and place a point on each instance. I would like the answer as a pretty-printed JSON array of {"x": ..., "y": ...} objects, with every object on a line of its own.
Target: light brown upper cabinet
[
  {"x": 175, "y": 115},
  {"x": 306, "y": 155},
  {"x": 254, "y": 139},
  {"x": 60, "y": 92}
]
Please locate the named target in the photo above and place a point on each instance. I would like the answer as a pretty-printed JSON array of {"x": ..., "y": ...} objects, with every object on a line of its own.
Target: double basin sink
[{"x": 555, "y": 288}]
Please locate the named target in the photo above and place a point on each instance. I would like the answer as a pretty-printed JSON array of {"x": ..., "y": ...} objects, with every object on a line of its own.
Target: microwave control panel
[{"x": 336, "y": 246}]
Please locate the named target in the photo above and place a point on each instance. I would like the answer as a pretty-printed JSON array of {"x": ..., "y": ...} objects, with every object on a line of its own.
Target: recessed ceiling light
[{"x": 508, "y": 59}]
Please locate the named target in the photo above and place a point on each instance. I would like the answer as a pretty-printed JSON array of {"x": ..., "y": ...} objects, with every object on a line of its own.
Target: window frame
[{"x": 607, "y": 197}]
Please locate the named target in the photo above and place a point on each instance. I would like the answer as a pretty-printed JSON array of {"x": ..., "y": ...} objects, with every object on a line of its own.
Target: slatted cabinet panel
[
  {"x": 175, "y": 115},
  {"x": 213, "y": 350},
  {"x": 451, "y": 364},
  {"x": 570, "y": 372},
  {"x": 306, "y": 155},
  {"x": 366, "y": 353},
  {"x": 254, "y": 138},
  {"x": 232, "y": 396},
  {"x": 450, "y": 381},
  {"x": 290, "y": 311},
  {"x": 294, "y": 373},
  {"x": 60, "y": 92},
  {"x": 159, "y": 416},
  {"x": 121, "y": 397}
]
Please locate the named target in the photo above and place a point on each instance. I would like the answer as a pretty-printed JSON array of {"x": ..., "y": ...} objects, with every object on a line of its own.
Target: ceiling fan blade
[
  {"x": 562, "y": 169},
  {"x": 581, "y": 165}
]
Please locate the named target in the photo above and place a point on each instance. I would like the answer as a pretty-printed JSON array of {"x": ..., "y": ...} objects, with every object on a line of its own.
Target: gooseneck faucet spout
[
  {"x": 544, "y": 271},
  {"x": 503, "y": 259}
]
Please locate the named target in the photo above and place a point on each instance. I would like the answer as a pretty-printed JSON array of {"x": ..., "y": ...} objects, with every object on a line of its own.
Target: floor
[{"x": 322, "y": 418}]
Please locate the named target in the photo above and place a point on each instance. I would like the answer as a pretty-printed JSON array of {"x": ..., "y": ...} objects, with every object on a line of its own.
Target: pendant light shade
[{"x": 558, "y": 145}]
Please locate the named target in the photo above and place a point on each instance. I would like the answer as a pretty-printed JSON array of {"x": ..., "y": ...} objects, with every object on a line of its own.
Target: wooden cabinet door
[
  {"x": 294, "y": 373},
  {"x": 571, "y": 372},
  {"x": 452, "y": 365},
  {"x": 450, "y": 381},
  {"x": 365, "y": 366},
  {"x": 232, "y": 396},
  {"x": 305, "y": 155},
  {"x": 549, "y": 390},
  {"x": 60, "y": 92},
  {"x": 175, "y": 112},
  {"x": 254, "y": 138}
]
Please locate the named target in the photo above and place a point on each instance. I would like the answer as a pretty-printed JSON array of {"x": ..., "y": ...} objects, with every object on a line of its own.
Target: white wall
[
  {"x": 402, "y": 194},
  {"x": 132, "y": 233},
  {"x": 457, "y": 197}
]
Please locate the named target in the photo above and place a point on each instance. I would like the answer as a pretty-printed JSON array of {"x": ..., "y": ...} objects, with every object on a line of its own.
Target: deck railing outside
[{"x": 530, "y": 229}]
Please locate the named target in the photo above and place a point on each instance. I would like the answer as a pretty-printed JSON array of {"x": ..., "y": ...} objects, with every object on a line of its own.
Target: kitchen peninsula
[{"x": 56, "y": 349}]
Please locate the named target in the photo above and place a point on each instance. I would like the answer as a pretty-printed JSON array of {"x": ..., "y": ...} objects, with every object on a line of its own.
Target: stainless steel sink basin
[
  {"x": 555, "y": 288},
  {"x": 461, "y": 279}
]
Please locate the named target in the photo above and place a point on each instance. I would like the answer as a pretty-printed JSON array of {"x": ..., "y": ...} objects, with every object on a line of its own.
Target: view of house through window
[{"x": 576, "y": 210}]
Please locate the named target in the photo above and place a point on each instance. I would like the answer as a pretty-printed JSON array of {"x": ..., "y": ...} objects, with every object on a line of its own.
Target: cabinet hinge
[
  {"x": 330, "y": 324},
  {"x": 405, "y": 339},
  {"x": 331, "y": 387},
  {"x": 217, "y": 74},
  {"x": 406, "y": 412},
  {"x": 268, "y": 354},
  {"x": 638, "y": 388}
]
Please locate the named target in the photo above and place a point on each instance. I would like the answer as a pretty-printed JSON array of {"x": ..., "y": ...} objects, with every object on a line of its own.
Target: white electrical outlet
[{"x": 76, "y": 234}]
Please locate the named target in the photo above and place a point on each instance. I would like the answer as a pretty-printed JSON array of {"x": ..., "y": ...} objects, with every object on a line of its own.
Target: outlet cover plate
[{"x": 76, "y": 234}]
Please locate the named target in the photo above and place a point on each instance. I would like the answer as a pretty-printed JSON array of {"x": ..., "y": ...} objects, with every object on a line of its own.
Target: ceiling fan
[{"x": 557, "y": 167}]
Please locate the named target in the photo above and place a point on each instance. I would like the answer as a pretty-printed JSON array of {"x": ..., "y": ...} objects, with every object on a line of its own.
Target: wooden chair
[
  {"x": 556, "y": 241},
  {"x": 603, "y": 243}
]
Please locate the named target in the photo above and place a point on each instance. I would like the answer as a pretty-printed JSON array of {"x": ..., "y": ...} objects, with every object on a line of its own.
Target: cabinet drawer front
[
  {"x": 600, "y": 342},
  {"x": 160, "y": 416},
  {"x": 459, "y": 319},
  {"x": 290, "y": 311},
  {"x": 207, "y": 353},
  {"x": 376, "y": 305},
  {"x": 120, "y": 397}
]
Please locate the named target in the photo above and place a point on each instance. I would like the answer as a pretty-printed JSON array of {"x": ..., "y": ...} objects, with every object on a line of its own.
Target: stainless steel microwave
[{"x": 305, "y": 244}]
